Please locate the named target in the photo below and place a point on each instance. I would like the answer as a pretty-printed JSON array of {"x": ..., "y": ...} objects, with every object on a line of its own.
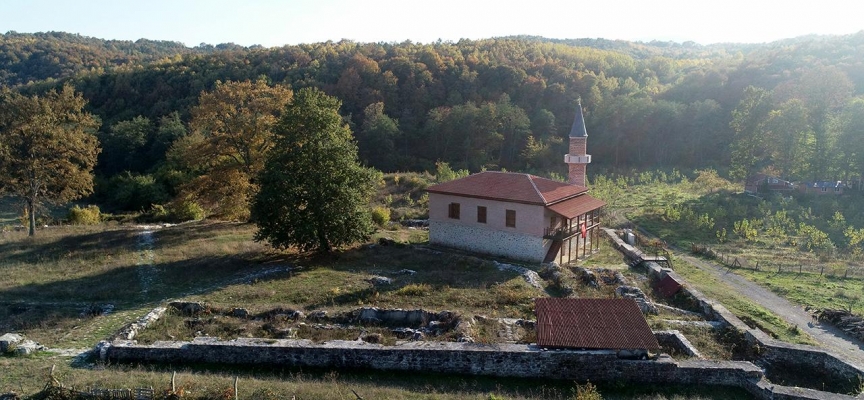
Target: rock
[
  {"x": 240, "y": 313},
  {"x": 403, "y": 333},
  {"x": 317, "y": 315},
  {"x": 527, "y": 323},
  {"x": 530, "y": 276},
  {"x": 9, "y": 342},
  {"x": 465, "y": 339},
  {"x": 633, "y": 291},
  {"x": 418, "y": 336},
  {"x": 297, "y": 315},
  {"x": 406, "y": 272},
  {"x": 379, "y": 280},
  {"x": 9, "y": 396},
  {"x": 27, "y": 347}
]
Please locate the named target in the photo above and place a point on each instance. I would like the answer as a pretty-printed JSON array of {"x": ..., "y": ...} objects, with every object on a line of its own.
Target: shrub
[
  {"x": 186, "y": 210},
  {"x": 84, "y": 216},
  {"x": 414, "y": 289},
  {"x": 381, "y": 215},
  {"x": 587, "y": 392}
]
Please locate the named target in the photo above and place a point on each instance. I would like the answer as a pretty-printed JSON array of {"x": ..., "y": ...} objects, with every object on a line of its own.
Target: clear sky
[{"x": 275, "y": 23}]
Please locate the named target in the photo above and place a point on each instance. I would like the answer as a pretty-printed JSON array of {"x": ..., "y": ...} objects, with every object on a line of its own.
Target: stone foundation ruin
[{"x": 508, "y": 359}]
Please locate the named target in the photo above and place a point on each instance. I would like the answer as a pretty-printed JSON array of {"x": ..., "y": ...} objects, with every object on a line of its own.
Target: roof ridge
[{"x": 534, "y": 185}]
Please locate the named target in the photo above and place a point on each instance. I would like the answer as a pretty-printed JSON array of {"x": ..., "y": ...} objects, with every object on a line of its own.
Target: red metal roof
[
  {"x": 571, "y": 208},
  {"x": 592, "y": 324},
  {"x": 668, "y": 286},
  {"x": 509, "y": 186}
]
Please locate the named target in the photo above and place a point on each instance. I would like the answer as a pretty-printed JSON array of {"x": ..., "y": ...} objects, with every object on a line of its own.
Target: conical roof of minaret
[{"x": 578, "y": 129}]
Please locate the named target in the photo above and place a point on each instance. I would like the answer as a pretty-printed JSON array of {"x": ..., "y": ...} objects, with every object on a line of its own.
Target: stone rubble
[
  {"x": 633, "y": 292},
  {"x": 379, "y": 280},
  {"x": 530, "y": 276}
]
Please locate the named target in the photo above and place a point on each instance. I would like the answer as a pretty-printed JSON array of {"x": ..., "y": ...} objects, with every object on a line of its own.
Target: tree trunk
[
  {"x": 31, "y": 212},
  {"x": 323, "y": 243}
]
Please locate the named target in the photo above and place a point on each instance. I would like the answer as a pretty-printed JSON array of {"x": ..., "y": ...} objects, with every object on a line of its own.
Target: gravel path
[{"x": 829, "y": 337}]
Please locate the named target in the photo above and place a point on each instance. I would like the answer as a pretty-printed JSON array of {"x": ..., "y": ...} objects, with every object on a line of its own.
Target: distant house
[
  {"x": 822, "y": 187},
  {"x": 615, "y": 324},
  {"x": 762, "y": 183},
  {"x": 520, "y": 216}
]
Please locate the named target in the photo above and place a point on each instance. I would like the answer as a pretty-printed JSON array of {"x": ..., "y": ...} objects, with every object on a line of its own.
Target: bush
[
  {"x": 414, "y": 289},
  {"x": 380, "y": 215},
  {"x": 84, "y": 216},
  {"x": 186, "y": 210}
]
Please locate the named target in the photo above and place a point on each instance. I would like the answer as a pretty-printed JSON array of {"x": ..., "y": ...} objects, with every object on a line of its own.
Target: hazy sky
[{"x": 276, "y": 23}]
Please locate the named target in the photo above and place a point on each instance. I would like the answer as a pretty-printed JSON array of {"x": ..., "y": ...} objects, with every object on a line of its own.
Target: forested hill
[{"x": 498, "y": 103}]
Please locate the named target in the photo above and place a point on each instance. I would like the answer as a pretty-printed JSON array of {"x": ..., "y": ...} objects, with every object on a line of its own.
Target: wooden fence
[{"x": 736, "y": 262}]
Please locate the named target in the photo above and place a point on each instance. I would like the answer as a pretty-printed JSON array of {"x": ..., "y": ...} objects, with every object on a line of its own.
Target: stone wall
[
  {"x": 503, "y": 360},
  {"x": 513, "y": 245}
]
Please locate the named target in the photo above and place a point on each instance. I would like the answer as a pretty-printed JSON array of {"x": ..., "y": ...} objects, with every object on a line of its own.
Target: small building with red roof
[
  {"x": 593, "y": 324},
  {"x": 520, "y": 216}
]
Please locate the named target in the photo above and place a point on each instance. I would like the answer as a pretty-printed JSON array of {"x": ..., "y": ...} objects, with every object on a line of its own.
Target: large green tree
[
  {"x": 748, "y": 121},
  {"x": 47, "y": 148},
  {"x": 314, "y": 194}
]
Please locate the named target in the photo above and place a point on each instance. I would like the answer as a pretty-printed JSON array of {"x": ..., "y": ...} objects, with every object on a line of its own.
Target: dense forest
[{"x": 793, "y": 107}]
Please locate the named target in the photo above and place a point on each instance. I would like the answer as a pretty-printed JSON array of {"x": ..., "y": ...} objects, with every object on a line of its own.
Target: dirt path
[{"x": 829, "y": 337}]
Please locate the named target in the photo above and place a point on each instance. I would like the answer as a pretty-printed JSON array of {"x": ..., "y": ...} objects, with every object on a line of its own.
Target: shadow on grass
[{"x": 46, "y": 246}]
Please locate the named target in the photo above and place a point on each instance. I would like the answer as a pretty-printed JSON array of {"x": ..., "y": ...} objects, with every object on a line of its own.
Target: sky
[{"x": 276, "y": 23}]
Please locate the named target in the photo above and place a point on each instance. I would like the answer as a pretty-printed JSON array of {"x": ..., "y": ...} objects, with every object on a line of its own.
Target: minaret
[{"x": 577, "y": 160}]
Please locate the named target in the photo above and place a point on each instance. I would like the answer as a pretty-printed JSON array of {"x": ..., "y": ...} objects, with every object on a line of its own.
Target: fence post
[
  {"x": 779, "y": 267},
  {"x": 235, "y": 388},
  {"x": 800, "y": 267},
  {"x": 757, "y": 265},
  {"x": 822, "y": 270},
  {"x": 173, "y": 388}
]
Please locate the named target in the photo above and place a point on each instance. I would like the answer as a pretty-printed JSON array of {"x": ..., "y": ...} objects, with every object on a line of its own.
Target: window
[
  {"x": 481, "y": 214},
  {"x": 554, "y": 221},
  {"x": 824, "y": 189},
  {"x": 511, "y": 219},
  {"x": 453, "y": 211}
]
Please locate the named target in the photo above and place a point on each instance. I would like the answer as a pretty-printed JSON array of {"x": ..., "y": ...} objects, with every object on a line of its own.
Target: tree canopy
[
  {"x": 47, "y": 148},
  {"x": 231, "y": 135},
  {"x": 314, "y": 194},
  {"x": 492, "y": 103}
]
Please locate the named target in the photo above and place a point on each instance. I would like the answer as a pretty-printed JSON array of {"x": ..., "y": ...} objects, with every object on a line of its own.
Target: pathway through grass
[{"x": 147, "y": 273}]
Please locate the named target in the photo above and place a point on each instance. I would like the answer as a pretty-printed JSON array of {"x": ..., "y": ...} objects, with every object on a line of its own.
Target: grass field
[{"x": 47, "y": 284}]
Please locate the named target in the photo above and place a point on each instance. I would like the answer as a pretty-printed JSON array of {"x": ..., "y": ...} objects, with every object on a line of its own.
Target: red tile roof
[
  {"x": 509, "y": 186},
  {"x": 592, "y": 324},
  {"x": 571, "y": 208},
  {"x": 668, "y": 286}
]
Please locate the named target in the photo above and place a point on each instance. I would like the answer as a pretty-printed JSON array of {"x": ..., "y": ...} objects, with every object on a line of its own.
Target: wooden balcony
[{"x": 561, "y": 232}]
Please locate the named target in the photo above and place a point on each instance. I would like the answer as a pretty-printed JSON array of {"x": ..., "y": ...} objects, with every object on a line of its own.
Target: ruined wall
[{"x": 503, "y": 360}]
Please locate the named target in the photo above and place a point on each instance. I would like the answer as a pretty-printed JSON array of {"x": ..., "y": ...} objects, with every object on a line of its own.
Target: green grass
[
  {"x": 750, "y": 312},
  {"x": 29, "y": 375},
  {"x": 811, "y": 289}
]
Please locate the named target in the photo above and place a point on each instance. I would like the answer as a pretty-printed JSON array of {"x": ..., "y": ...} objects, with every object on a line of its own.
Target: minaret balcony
[{"x": 577, "y": 159}]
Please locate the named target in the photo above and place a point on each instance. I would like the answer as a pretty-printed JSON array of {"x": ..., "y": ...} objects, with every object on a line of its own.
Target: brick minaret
[{"x": 577, "y": 160}]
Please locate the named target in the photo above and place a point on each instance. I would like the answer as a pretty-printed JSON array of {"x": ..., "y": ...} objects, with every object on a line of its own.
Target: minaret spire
[{"x": 577, "y": 160}]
